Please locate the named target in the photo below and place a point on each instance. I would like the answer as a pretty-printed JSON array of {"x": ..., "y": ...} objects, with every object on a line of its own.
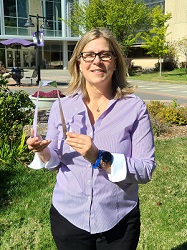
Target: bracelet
[{"x": 97, "y": 162}]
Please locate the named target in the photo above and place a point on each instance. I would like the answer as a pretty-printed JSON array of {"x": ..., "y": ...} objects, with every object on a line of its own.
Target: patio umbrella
[{"x": 17, "y": 42}]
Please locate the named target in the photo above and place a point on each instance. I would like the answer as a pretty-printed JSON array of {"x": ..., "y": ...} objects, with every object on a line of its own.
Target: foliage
[
  {"x": 16, "y": 111},
  {"x": 171, "y": 58},
  {"x": 3, "y": 82},
  {"x": 155, "y": 39},
  {"x": 14, "y": 151},
  {"x": 125, "y": 18},
  {"x": 162, "y": 116},
  {"x": 51, "y": 94}
]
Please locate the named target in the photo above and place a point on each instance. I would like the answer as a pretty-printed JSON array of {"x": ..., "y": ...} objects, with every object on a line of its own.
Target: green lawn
[
  {"x": 26, "y": 199},
  {"x": 175, "y": 76}
]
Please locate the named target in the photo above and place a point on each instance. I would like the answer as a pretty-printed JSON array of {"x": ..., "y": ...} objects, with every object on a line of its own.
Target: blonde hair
[{"x": 119, "y": 83}]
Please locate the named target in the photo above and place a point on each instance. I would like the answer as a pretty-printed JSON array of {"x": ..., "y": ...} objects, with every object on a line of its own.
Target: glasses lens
[
  {"x": 88, "y": 57},
  {"x": 105, "y": 56}
]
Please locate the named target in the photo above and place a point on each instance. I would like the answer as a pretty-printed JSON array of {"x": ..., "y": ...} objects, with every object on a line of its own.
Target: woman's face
[{"x": 95, "y": 70}]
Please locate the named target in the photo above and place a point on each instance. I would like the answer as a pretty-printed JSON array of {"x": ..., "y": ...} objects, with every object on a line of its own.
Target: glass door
[
  {"x": 10, "y": 59},
  {"x": 13, "y": 58}
]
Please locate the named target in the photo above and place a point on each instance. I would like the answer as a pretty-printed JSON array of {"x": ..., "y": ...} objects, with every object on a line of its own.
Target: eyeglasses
[{"x": 104, "y": 56}]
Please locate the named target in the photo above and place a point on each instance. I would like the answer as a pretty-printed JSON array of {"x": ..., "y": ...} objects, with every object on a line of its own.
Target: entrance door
[
  {"x": 13, "y": 58},
  {"x": 10, "y": 59}
]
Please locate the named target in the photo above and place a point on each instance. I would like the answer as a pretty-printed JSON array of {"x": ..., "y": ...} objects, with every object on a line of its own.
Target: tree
[
  {"x": 125, "y": 18},
  {"x": 155, "y": 39},
  {"x": 171, "y": 58},
  {"x": 182, "y": 47}
]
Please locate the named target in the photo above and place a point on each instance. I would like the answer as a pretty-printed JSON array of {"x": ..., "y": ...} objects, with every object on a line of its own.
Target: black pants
[{"x": 124, "y": 236}]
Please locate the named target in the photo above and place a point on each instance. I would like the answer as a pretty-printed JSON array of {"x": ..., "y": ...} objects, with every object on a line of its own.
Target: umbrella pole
[{"x": 17, "y": 56}]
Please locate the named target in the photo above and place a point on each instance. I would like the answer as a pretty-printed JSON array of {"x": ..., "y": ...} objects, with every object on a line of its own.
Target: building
[
  {"x": 59, "y": 41},
  {"x": 177, "y": 27}
]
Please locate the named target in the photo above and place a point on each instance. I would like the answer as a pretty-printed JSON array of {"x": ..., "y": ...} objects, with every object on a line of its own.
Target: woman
[{"x": 108, "y": 151}]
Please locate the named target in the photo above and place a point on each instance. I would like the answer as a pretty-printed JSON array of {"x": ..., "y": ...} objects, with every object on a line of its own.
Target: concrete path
[{"x": 148, "y": 91}]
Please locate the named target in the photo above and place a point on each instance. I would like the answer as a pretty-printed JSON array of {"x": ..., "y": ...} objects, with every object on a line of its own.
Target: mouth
[{"x": 98, "y": 71}]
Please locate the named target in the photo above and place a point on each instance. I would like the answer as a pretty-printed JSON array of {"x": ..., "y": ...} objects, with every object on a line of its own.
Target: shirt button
[
  {"x": 89, "y": 197},
  {"x": 89, "y": 182}
]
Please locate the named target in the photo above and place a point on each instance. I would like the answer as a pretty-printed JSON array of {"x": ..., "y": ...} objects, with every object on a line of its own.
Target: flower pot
[{"x": 43, "y": 103}]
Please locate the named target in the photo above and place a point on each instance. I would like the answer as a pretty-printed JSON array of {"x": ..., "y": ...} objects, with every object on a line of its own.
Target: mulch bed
[{"x": 174, "y": 132}]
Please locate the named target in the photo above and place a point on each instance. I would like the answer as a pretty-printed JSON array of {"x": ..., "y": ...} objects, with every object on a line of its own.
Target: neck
[{"x": 96, "y": 94}]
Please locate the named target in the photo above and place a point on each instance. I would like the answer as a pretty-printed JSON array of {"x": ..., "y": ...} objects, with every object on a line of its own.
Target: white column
[
  {"x": 63, "y": 11},
  {"x": 65, "y": 55},
  {"x": 2, "y": 24}
]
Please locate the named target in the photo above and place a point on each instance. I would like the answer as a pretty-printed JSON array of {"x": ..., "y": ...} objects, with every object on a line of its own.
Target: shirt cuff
[
  {"x": 52, "y": 164},
  {"x": 118, "y": 168}
]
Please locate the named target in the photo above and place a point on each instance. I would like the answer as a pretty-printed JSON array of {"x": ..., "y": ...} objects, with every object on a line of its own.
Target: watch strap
[{"x": 97, "y": 162}]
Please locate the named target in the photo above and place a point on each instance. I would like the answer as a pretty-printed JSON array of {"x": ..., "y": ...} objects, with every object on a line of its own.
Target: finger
[
  {"x": 34, "y": 144},
  {"x": 32, "y": 132},
  {"x": 77, "y": 143},
  {"x": 72, "y": 135},
  {"x": 40, "y": 147}
]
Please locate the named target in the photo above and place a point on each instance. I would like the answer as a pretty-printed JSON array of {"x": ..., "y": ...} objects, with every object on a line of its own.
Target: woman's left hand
[{"x": 84, "y": 145}]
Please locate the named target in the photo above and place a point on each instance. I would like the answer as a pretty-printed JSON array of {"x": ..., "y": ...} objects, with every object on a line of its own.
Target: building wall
[{"x": 178, "y": 23}]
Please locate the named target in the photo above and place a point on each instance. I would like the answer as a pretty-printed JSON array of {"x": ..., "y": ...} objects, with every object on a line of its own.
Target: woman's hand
[
  {"x": 84, "y": 145},
  {"x": 37, "y": 144}
]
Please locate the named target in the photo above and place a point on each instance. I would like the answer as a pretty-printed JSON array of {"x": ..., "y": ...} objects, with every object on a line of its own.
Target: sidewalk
[
  {"x": 58, "y": 75},
  {"x": 147, "y": 91}
]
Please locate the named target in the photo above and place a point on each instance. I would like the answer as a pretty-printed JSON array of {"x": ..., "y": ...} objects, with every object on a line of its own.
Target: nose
[{"x": 97, "y": 59}]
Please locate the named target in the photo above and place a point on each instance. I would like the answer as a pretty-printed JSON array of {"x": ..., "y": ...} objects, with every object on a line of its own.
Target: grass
[
  {"x": 26, "y": 199},
  {"x": 175, "y": 76}
]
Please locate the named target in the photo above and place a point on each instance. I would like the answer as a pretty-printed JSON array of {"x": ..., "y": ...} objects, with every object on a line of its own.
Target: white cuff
[
  {"x": 118, "y": 168},
  {"x": 51, "y": 164}
]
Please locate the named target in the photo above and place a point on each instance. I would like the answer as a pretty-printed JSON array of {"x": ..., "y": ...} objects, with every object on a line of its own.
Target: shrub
[
  {"x": 14, "y": 151},
  {"x": 16, "y": 111},
  {"x": 166, "y": 66},
  {"x": 159, "y": 127},
  {"x": 163, "y": 116}
]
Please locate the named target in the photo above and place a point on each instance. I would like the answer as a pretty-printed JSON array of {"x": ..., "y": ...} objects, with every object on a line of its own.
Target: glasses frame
[{"x": 97, "y": 54}]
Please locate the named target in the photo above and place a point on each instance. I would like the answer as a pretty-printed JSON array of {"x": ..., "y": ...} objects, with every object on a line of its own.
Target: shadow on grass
[
  {"x": 181, "y": 247},
  {"x": 175, "y": 74},
  {"x": 6, "y": 175}
]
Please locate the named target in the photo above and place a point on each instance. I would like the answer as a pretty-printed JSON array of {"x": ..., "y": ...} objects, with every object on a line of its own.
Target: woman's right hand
[{"x": 37, "y": 144}]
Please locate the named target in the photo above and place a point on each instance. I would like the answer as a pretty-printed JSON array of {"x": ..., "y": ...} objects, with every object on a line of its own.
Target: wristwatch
[{"x": 105, "y": 158}]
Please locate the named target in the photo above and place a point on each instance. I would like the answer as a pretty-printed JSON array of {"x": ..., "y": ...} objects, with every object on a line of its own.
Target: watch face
[{"x": 106, "y": 157}]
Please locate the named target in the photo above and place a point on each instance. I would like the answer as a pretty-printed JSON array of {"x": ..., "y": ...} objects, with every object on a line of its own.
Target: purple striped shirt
[{"x": 90, "y": 198}]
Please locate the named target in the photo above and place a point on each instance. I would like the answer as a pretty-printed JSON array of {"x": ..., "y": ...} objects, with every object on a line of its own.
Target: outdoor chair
[{"x": 34, "y": 75}]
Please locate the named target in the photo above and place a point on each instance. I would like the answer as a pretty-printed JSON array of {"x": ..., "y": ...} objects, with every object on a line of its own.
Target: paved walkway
[
  {"x": 58, "y": 75},
  {"x": 164, "y": 92}
]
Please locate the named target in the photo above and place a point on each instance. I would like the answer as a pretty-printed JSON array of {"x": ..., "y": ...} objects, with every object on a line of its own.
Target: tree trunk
[{"x": 160, "y": 60}]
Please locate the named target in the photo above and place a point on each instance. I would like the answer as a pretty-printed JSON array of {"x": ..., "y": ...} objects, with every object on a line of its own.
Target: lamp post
[{"x": 44, "y": 25}]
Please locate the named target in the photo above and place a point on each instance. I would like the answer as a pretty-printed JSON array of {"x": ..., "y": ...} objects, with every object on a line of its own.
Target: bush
[
  {"x": 166, "y": 66},
  {"x": 163, "y": 116},
  {"x": 16, "y": 110}
]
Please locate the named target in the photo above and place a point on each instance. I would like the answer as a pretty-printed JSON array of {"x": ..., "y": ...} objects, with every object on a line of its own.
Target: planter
[{"x": 43, "y": 103}]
